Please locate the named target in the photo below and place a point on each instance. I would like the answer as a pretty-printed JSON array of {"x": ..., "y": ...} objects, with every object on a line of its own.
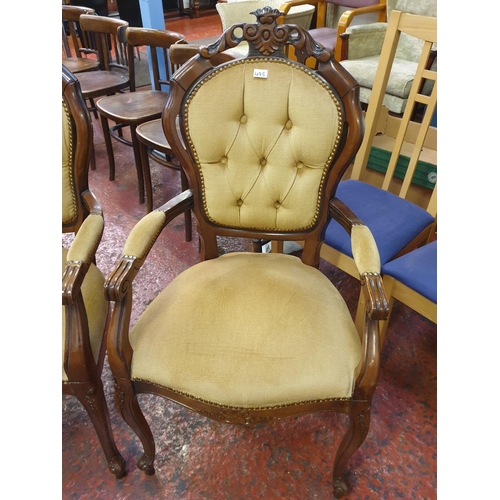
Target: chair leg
[
  {"x": 138, "y": 162},
  {"x": 109, "y": 147},
  {"x": 143, "y": 152},
  {"x": 359, "y": 423},
  {"x": 128, "y": 406},
  {"x": 91, "y": 396}
]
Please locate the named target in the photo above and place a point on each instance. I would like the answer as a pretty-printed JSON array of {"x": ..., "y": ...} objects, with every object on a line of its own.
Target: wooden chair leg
[
  {"x": 148, "y": 187},
  {"x": 359, "y": 423},
  {"x": 109, "y": 147},
  {"x": 138, "y": 162},
  {"x": 91, "y": 396},
  {"x": 128, "y": 406}
]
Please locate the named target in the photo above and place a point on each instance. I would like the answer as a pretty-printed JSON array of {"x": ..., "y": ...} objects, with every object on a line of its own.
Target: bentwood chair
[
  {"x": 79, "y": 57},
  {"x": 248, "y": 338},
  {"x": 112, "y": 77},
  {"x": 84, "y": 308},
  {"x": 392, "y": 185},
  {"x": 135, "y": 107},
  {"x": 412, "y": 280}
]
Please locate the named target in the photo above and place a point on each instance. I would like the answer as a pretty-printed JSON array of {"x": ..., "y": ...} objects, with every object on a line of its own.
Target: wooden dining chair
[
  {"x": 84, "y": 308},
  {"x": 244, "y": 337},
  {"x": 136, "y": 107},
  {"x": 79, "y": 56},
  {"x": 112, "y": 77}
]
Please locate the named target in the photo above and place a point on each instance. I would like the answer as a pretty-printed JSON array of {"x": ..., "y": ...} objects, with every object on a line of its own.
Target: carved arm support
[
  {"x": 139, "y": 243},
  {"x": 80, "y": 255},
  {"x": 366, "y": 257}
]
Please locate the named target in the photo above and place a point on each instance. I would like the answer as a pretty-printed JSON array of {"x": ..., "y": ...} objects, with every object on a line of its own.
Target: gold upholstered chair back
[{"x": 260, "y": 156}]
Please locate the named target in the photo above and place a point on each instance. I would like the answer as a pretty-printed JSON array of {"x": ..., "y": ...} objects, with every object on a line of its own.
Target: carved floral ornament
[{"x": 266, "y": 37}]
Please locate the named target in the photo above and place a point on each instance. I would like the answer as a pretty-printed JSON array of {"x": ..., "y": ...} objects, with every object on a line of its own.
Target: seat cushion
[
  {"x": 393, "y": 221},
  {"x": 248, "y": 330},
  {"x": 417, "y": 270},
  {"x": 96, "y": 307}
]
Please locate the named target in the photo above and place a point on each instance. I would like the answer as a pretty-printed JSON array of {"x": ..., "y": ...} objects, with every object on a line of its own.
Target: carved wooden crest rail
[{"x": 267, "y": 37}]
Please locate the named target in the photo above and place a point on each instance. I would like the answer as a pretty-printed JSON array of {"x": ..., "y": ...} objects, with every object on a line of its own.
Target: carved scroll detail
[{"x": 267, "y": 38}]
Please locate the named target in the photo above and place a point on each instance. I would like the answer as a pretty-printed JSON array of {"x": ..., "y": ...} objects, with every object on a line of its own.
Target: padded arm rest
[
  {"x": 366, "y": 258},
  {"x": 139, "y": 243},
  {"x": 365, "y": 40},
  {"x": 80, "y": 256}
]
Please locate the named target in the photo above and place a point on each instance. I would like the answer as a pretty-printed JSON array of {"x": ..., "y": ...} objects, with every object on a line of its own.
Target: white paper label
[{"x": 260, "y": 73}]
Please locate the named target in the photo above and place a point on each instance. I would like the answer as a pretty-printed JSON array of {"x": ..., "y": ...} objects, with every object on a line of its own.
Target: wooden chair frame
[
  {"x": 118, "y": 287},
  {"x": 83, "y": 372}
]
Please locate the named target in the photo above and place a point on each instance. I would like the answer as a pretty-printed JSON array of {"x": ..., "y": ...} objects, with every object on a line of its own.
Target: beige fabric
[
  {"x": 364, "y": 250},
  {"x": 88, "y": 237},
  {"x": 248, "y": 330},
  {"x": 253, "y": 139},
  {"x": 68, "y": 194},
  {"x": 95, "y": 305},
  {"x": 142, "y": 236}
]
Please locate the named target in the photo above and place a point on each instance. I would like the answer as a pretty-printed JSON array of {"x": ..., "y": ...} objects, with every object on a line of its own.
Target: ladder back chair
[
  {"x": 392, "y": 185},
  {"x": 248, "y": 337},
  {"x": 84, "y": 308}
]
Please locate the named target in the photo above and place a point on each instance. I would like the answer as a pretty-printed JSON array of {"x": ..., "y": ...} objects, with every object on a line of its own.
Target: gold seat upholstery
[{"x": 253, "y": 357}]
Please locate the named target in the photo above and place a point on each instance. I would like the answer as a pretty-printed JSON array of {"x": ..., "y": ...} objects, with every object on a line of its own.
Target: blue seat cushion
[
  {"x": 417, "y": 270},
  {"x": 393, "y": 221}
]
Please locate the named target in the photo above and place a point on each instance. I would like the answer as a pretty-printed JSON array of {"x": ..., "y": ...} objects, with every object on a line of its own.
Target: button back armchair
[
  {"x": 84, "y": 308},
  {"x": 247, "y": 338}
]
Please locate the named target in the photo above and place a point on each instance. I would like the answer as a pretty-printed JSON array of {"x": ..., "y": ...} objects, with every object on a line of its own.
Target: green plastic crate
[{"x": 425, "y": 174}]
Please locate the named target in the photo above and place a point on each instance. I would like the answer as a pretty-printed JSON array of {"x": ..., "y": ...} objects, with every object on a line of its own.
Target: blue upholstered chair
[{"x": 412, "y": 279}]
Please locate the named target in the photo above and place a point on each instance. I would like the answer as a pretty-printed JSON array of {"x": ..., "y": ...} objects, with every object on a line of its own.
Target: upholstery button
[
  {"x": 239, "y": 202},
  {"x": 223, "y": 160},
  {"x": 288, "y": 125},
  {"x": 243, "y": 119},
  {"x": 277, "y": 204},
  {"x": 263, "y": 162},
  {"x": 300, "y": 164}
]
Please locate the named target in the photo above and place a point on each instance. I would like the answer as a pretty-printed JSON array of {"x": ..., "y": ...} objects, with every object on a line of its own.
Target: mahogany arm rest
[
  {"x": 91, "y": 203},
  {"x": 366, "y": 258},
  {"x": 140, "y": 241},
  {"x": 80, "y": 255},
  {"x": 345, "y": 21}
]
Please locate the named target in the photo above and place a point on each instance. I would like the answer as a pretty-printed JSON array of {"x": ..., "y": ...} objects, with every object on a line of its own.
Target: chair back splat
[{"x": 251, "y": 337}]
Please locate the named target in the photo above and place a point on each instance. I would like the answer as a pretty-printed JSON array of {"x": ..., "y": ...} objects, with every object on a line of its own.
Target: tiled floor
[{"x": 290, "y": 459}]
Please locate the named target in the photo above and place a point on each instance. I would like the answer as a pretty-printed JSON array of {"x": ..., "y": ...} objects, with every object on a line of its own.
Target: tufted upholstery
[
  {"x": 69, "y": 208},
  {"x": 272, "y": 132}
]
